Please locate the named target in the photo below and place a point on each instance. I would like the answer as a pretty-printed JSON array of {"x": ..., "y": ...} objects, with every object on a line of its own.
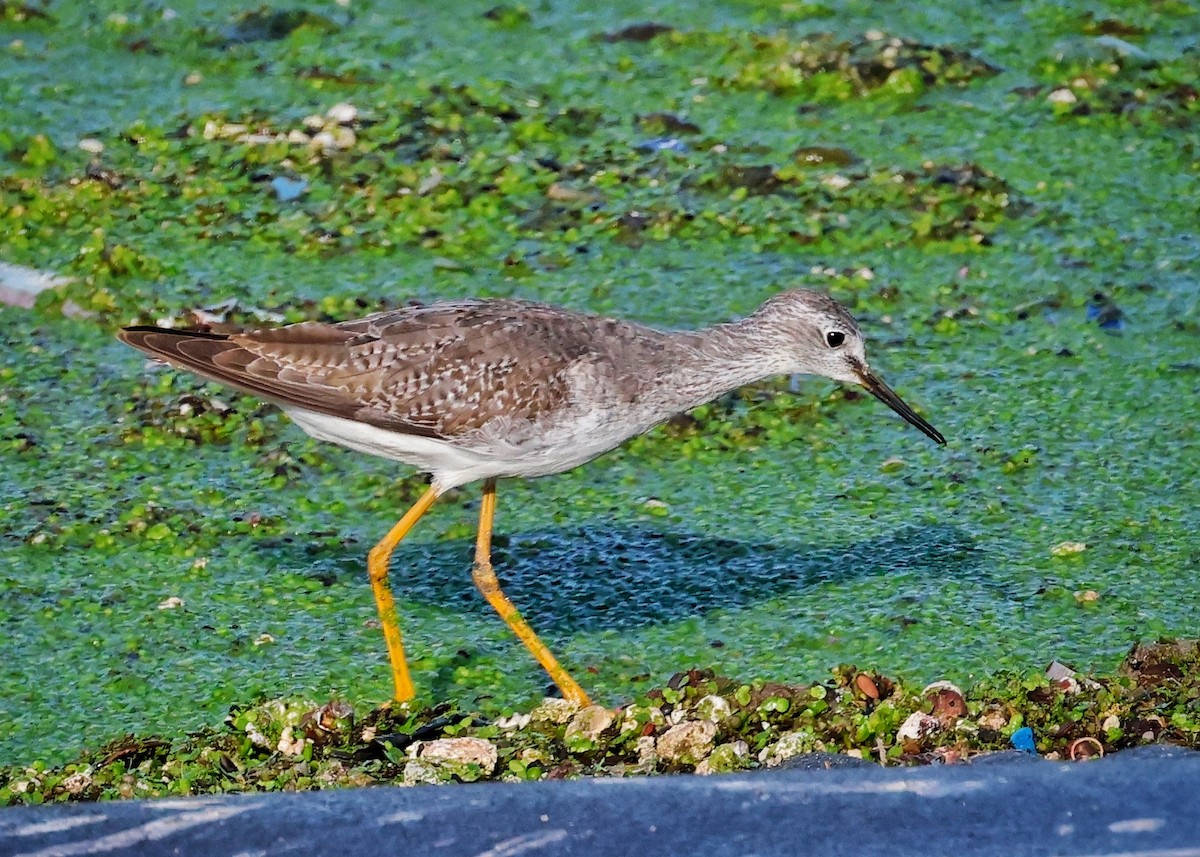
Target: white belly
[{"x": 525, "y": 452}]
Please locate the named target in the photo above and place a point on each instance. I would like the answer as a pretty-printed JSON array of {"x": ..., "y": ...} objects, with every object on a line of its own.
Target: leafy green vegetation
[{"x": 697, "y": 722}]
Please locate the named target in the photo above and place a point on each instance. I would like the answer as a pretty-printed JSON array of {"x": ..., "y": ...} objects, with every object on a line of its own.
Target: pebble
[
  {"x": 917, "y": 726},
  {"x": 789, "y": 744},
  {"x": 467, "y": 751},
  {"x": 554, "y": 710},
  {"x": 687, "y": 743},
  {"x": 589, "y": 722},
  {"x": 342, "y": 113}
]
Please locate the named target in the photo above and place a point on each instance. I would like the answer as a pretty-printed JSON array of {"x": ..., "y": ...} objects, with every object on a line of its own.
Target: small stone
[
  {"x": 471, "y": 751},
  {"x": 257, "y": 738},
  {"x": 647, "y": 753},
  {"x": 323, "y": 140},
  {"x": 1111, "y": 723},
  {"x": 342, "y": 113},
  {"x": 420, "y": 771},
  {"x": 635, "y": 718},
  {"x": 712, "y": 707},
  {"x": 917, "y": 727},
  {"x": 446, "y": 759},
  {"x": 77, "y": 783},
  {"x": 687, "y": 743},
  {"x": 514, "y": 722},
  {"x": 91, "y": 145},
  {"x": 1062, "y": 96},
  {"x": 589, "y": 723},
  {"x": 289, "y": 744},
  {"x": 993, "y": 718},
  {"x": 332, "y": 772},
  {"x": 724, "y": 759},
  {"x": 531, "y": 755},
  {"x": 1087, "y": 596},
  {"x": 554, "y": 710},
  {"x": 789, "y": 744}
]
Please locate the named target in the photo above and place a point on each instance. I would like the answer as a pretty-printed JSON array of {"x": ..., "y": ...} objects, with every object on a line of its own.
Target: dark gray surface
[{"x": 1137, "y": 804}]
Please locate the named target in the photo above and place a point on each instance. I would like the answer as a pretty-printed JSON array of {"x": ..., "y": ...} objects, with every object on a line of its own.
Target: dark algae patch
[
  {"x": 1003, "y": 194},
  {"x": 699, "y": 722}
]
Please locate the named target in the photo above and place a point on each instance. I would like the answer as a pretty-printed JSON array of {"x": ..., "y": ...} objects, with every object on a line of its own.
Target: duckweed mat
[{"x": 1004, "y": 196}]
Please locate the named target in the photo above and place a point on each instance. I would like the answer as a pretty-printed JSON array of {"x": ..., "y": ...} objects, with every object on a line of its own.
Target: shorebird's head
[{"x": 824, "y": 339}]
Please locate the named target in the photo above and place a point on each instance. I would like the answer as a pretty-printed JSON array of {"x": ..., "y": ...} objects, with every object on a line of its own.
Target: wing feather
[{"x": 439, "y": 371}]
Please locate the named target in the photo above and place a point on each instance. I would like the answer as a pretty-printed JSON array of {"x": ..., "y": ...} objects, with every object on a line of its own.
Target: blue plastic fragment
[
  {"x": 1022, "y": 740},
  {"x": 288, "y": 189}
]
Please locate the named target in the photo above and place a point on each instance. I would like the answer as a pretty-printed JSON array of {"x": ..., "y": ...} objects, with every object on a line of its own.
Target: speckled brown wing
[
  {"x": 452, "y": 367},
  {"x": 438, "y": 371}
]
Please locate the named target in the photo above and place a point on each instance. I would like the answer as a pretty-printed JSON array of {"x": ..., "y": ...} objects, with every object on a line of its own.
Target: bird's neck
[{"x": 719, "y": 359}]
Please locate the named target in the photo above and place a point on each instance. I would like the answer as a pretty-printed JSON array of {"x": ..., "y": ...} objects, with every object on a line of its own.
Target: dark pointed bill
[{"x": 887, "y": 395}]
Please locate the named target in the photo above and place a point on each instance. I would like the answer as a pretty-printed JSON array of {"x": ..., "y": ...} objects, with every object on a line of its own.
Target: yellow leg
[
  {"x": 377, "y": 568},
  {"x": 489, "y": 586}
]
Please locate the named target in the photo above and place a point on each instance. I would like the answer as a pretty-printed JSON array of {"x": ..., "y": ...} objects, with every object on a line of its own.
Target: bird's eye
[{"x": 835, "y": 338}]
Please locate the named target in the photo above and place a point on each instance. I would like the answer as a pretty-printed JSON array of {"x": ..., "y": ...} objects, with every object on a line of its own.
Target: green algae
[{"x": 771, "y": 534}]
